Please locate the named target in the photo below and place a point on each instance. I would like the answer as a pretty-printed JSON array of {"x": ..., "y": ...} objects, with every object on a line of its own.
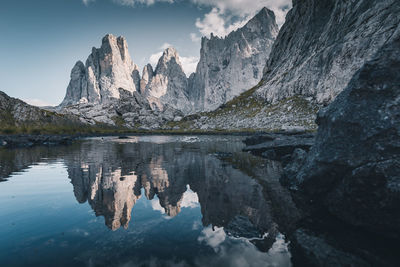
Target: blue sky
[{"x": 42, "y": 39}]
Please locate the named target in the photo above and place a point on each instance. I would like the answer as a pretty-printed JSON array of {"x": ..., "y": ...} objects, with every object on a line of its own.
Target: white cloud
[
  {"x": 194, "y": 37},
  {"x": 228, "y": 15},
  {"x": 245, "y": 8},
  {"x": 133, "y": 2},
  {"x": 213, "y": 237},
  {"x": 216, "y": 22},
  {"x": 155, "y": 205},
  {"x": 38, "y": 102},
  {"x": 165, "y": 46},
  {"x": 154, "y": 59},
  {"x": 87, "y": 2},
  {"x": 190, "y": 199},
  {"x": 189, "y": 64},
  {"x": 225, "y": 15}
]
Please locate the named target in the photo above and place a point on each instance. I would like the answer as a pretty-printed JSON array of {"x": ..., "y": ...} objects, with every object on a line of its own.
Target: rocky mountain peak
[
  {"x": 147, "y": 76},
  {"x": 231, "y": 65},
  {"x": 264, "y": 21},
  {"x": 169, "y": 53},
  {"x": 169, "y": 59},
  {"x": 107, "y": 69},
  {"x": 167, "y": 86},
  {"x": 123, "y": 47}
]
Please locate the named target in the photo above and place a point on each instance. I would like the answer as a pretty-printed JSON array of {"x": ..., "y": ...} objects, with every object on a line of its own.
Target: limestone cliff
[
  {"x": 107, "y": 69},
  {"x": 231, "y": 65}
]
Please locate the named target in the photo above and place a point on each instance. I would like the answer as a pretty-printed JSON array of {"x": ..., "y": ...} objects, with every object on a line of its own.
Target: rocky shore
[
  {"x": 26, "y": 140},
  {"x": 346, "y": 180}
]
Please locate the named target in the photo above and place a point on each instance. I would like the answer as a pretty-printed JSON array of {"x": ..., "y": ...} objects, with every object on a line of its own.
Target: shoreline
[{"x": 30, "y": 140}]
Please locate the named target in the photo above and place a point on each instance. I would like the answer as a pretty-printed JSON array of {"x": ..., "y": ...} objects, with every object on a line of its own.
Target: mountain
[
  {"x": 109, "y": 79},
  {"x": 108, "y": 88},
  {"x": 15, "y": 113},
  {"x": 107, "y": 69},
  {"x": 318, "y": 49},
  {"x": 231, "y": 65},
  {"x": 323, "y": 43},
  {"x": 167, "y": 84}
]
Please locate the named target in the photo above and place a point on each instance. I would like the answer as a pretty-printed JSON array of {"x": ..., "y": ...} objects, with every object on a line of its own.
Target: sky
[{"x": 41, "y": 40}]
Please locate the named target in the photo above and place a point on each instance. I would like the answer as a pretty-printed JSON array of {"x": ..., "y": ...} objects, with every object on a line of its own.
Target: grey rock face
[
  {"x": 354, "y": 167},
  {"x": 323, "y": 43},
  {"x": 107, "y": 69},
  {"x": 147, "y": 76},
  {"x": 77, "y": 84},
  {"x": 232, "y": 65},
  {"x": 167, "y": 85}
]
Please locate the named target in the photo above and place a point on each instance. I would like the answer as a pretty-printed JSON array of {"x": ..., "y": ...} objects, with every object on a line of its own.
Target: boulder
[{"x": 353, "y": 170}]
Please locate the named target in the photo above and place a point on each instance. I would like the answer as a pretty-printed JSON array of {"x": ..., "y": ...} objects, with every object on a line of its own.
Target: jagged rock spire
[
  {"x": 231, "y": 65},
  {"x": 107, "y": 69},
  {"x": 169, "y": 83}
]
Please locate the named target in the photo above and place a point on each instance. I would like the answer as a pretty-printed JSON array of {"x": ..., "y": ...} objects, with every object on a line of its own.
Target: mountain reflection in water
[
  {"x": 110, "y": 177},
  {"x": 238, "y": 195}
]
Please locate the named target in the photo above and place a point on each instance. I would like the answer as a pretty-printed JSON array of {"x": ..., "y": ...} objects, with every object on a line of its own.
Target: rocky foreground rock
[
  {"x": 353, "y": 170},
  {"x": 347, "y": 185}
]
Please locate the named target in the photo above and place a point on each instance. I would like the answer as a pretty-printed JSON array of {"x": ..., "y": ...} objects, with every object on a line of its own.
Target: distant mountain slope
[
  {"x": 247, "y": 112},
  {"x": 16, "y": 113}
]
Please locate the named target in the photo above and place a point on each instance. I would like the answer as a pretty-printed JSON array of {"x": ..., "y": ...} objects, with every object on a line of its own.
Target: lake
[{"x": 143, "y": 201}]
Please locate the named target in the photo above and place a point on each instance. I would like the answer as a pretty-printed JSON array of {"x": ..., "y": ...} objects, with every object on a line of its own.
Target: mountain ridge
[{"x": 110, "y": 68}]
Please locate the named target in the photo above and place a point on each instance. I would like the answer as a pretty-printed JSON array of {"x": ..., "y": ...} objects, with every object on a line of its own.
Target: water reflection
[
  {"x": 110, "y": 176},
  {"x": 238, "y": 195}
]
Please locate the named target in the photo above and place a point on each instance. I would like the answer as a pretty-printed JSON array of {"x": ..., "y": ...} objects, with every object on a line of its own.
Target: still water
[{"x": 141, "y": 201}]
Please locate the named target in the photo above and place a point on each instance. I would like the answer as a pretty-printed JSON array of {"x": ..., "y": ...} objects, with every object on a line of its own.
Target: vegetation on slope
[{"x": 248, "y": 112}]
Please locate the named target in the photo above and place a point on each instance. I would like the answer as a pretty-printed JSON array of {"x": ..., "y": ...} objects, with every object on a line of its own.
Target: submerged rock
[{"x": 280, "y": 146}]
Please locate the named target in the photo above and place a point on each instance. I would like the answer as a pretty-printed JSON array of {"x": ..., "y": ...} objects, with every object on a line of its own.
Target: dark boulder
[
  {"x": 258, "y": 139},
  {"x": 312, "y": 250},
  {"x": 353, "y": 170},
  {"x": 293, "y": 166},
  {"x": 281, "y": 146}
]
